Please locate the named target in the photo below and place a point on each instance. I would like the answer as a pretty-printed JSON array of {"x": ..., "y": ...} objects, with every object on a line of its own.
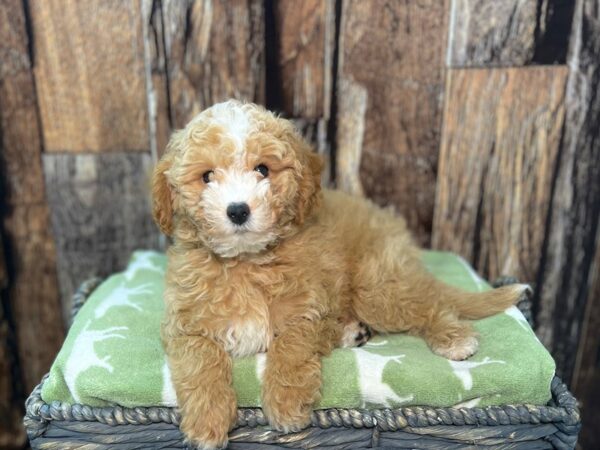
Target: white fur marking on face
[
  {"x": 238, "y": 186},
  {"x": 233, "y": 118}
]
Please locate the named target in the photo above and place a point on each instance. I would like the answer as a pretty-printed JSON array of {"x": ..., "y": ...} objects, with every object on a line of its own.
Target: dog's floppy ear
[
  {"x": 309, "y": 187},
  {"x": 162, "y": 191},
  {"x": 162, "y": 198}
]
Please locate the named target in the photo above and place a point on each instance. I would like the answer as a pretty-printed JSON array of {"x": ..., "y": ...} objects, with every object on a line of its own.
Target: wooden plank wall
[
  {"x": 475, "y": 119},
  {"x": 391, "y": 77}
]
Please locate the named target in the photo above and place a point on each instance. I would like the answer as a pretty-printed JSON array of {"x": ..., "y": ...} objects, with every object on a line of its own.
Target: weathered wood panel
[
  {"x": 305, "y": 32},
  {"x": 391, "y": 57},
  {"x": 12, "y": 434},
  {"x": 299, "y": 56},
  {"x": 215, "y": 51},
  {"x": 575, "y": 209},
  {"x": 100, "y": 210},
  {"x": 32, "y": 292},
  {"x": 586, "y": 378},
  {"x": 502, "y": 130},
  {"x": 90, "y": 75},
  {"x": 508, "y": 32},
  {"x": 159, "y": 119}
]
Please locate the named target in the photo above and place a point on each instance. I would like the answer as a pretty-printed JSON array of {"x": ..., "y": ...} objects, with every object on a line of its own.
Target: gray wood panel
[{"x": 100, "y": 211}]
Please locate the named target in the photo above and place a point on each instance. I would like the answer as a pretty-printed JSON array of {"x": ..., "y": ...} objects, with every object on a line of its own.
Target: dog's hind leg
[
  {"x": 396, "y": 294},
  {"x": 355, "y": 334}
]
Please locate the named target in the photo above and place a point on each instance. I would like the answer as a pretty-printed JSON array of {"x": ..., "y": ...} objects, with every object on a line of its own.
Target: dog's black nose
[{"x": 238, "y": 212}]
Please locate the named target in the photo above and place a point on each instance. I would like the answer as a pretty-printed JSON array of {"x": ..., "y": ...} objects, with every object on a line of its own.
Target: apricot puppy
[{"x": 264, "y": 260}]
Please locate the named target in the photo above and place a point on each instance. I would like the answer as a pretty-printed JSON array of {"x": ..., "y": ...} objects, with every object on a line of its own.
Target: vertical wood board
[
  {"x": 575, "y": 208},
  {"x": 32, "y": 292},
  {"x": 305, "y": 32},
  {"x": 391, "y": 62},
  {"x": 586, "y": 378},
  {"x": 214, "y": 51},
  {"x": 500, "y": 141},
  {"x": 100, "y": 210},
  {"x": 90, "y": 75}
]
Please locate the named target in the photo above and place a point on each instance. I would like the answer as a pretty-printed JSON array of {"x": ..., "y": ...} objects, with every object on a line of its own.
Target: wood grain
[
  {"x": 215, "y": 51},
  {"x": 100, "y": 210},
  {"x": 33, "y": 290},
  {"x": 502, "y": 130},
  {"x": 12, "y": 434},
  {"x": 305, "y": 32},
  {"x": 90, "y": 75},
  {"x": 586, "y": 376},
  {"x": 32, "y": 293},
  {"x": 575, "y": 210},
  {"x": 393, "y": 51},
  {"x": 485, "y": 33},
  {"x": 159, "y": 119}
]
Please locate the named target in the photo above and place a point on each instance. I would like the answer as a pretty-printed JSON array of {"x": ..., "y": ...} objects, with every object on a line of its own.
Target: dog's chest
[
  {"x": 244, "y": 327},
  {"x": 247, "y": 336}
]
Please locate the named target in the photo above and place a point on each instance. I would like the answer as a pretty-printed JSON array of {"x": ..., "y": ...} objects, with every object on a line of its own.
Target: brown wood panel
[
  {"x": 12, "y": 434},
  {"x": 391, "y": 60},
  {"x": 215, "y": 51},
  {"x": 575, "y": 211},
  {"x": 305, "y": 39},
  {"x": 499, "y": 149},
  {"x": 32, "y": 293},
  {"x": 100, "y": 211},
  {"x": 90, "y": 75},
  {"x": 33, "y": 290},
  {"x": 586, "y": 378},
  {"x": 486, "y": 33}
]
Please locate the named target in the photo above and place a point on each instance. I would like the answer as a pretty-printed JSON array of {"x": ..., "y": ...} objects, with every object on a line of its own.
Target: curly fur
[{"x": 305, "y": 267}]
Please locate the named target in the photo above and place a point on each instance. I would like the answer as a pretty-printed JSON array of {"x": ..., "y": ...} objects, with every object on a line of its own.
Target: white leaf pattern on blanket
[
  {"x": 142, "y": 261},
  {"x": 468, "y": 403},
  {"x": 83, "y": 354},
  {"x": 462, "y": 369},
  {"x": 121, "y": 296},
  {"x": 169, "y": 398},
  {"x": 370, "y": 378},
  {"x": 261, "y": 362}
]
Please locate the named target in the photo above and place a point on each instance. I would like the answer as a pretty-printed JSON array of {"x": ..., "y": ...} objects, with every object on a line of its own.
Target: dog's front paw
[
  {"x": 287, "y": 409},
  {"x": 206, "y": 426},
  {"x": 210, "y": 441}
]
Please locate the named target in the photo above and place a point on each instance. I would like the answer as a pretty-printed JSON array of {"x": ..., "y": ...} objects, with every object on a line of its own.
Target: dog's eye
[
  {"x": 262, "y": 169},
  {"x": 208, "y": 176}
]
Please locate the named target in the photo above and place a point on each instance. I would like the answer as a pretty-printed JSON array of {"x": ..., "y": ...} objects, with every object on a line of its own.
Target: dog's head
[{"x": 237, "y": 178}]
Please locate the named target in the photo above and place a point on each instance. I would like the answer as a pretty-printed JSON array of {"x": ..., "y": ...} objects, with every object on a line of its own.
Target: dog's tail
[{"x": 477, "y": 305}]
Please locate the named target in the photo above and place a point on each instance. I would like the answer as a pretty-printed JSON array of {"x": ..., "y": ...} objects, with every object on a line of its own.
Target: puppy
[{"x": 263, "y": 260}]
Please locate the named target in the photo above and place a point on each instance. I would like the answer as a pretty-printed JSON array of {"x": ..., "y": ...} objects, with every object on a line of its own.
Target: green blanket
[{"x": 113, "y": 355}]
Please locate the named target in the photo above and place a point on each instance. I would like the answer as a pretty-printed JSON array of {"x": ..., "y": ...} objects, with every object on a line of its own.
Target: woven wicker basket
[{"x": 556, "y": 425}]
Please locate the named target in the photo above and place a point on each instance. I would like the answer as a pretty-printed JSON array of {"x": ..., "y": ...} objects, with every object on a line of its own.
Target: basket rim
[{"x": 562, "y": 408}]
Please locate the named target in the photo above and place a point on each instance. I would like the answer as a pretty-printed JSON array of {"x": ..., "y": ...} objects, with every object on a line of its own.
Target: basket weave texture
[{"x": 555, "y": 425}]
